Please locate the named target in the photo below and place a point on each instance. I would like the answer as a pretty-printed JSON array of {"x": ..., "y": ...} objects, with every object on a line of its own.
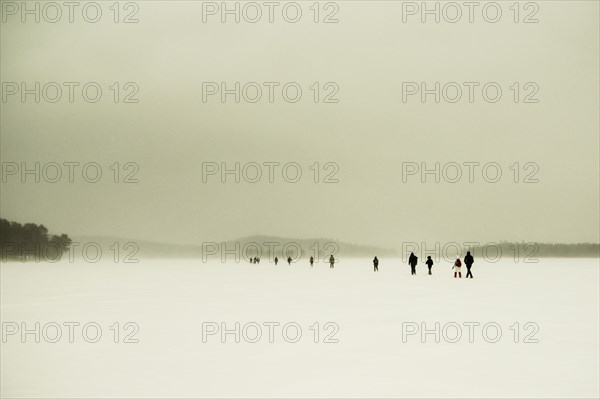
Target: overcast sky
[{"x": 368, "y": 134}]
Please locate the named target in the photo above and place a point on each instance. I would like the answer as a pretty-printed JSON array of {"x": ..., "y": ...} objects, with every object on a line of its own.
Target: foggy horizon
[
  {"x": 368, "y": 135},
  {"x": 399, "y": 242}
]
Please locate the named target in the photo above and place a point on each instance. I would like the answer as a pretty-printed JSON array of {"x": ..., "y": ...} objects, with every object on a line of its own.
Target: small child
[
  {"x": 429, "y": 263},
  {"x": 456, "y": 268}
]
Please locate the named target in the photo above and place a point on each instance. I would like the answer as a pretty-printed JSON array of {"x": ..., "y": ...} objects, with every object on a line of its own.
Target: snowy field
[{"x": 374, "y": 319}]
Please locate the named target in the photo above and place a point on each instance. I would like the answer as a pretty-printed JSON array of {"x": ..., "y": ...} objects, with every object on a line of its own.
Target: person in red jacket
[{"x": 456, "y": 268}]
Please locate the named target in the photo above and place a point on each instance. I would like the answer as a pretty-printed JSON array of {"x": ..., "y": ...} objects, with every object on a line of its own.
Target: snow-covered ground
[{"x": 373, "y": 316}]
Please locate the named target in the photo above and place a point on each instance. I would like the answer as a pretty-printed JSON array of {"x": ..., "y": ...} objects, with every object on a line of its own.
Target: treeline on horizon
[
  {"x": 29, "y": 240},
  {"x": 502, "y": 249},
  {"x": 532, "y": 250}
]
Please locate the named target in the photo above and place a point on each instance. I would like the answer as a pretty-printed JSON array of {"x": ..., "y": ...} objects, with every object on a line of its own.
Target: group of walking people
[
  {"x": 468, "y": 262},
  {"x": 413, "y": 261},
  {"x": 289, "y": 261}
]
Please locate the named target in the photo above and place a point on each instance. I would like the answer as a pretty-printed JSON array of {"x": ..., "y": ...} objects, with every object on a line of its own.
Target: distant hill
[
  {"x": 321, "y": 248},
  {"x": 246, "y": 247},
  {"x": 309, "y": 246}
]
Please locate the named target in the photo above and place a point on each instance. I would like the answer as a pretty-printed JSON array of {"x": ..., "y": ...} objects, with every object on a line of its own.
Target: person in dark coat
[
  {"x": 312, "y": 260},
  {"x": 412, "y": 261},
  {"x": 429, "y": 263},
  {"x": 289, "y": 259},
  {"x": 276, "y": 260},
  {"x": 469, "y": 262},
  {"x": 331, "y": 261},
  {"x": 376, "y": 264}
]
